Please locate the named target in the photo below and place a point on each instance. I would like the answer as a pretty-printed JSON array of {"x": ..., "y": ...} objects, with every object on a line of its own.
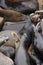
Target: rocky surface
[{"x": 4, "y": 60}]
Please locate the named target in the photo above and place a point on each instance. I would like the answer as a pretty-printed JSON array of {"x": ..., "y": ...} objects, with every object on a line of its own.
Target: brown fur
[{"x": 11, "y": 15}]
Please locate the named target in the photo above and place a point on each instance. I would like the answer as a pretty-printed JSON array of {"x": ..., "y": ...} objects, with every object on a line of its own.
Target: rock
[
  {"x": 11, "y": 15},
  {"x": 12, "y": 38},
  {"x": 4, "y": 60},
  {"x": 1, "y": 23},
  {"x": 8, "y": 51}
]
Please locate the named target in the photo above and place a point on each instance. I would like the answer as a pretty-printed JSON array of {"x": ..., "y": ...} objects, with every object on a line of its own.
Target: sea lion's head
[{"x": 35, "y": 18}]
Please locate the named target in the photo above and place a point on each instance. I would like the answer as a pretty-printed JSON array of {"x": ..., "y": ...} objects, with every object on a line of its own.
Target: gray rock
[{"x": 4, "y": 60}]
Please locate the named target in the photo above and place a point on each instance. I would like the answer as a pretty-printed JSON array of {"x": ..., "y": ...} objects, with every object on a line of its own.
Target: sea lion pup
[
  {"x": 38, "y": 41},
  {"x": 11, "y": 15},
  {"x": 12, "y": 38},
  {"x": 22, "y": 57}
]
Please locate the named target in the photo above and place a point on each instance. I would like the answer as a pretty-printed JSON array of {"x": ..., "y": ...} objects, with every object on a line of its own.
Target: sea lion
[
  {"x": 12, "y": 38},
  {"x": 22, "y": 57},
  {"x": 27, "y": 26},
  {"x": 38, "y": 40},
  {"x": 10, "y": 15}
]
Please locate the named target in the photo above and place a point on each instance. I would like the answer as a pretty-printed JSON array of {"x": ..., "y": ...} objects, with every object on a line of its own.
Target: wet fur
[{"x": 11, "y": 15}]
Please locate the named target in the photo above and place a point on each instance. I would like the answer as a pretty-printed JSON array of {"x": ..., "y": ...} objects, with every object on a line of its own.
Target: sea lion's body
[
  {"x": 38, "y": 41},
  {"x": 11, "y": 15},
  {"x": 22, "y": 57}
]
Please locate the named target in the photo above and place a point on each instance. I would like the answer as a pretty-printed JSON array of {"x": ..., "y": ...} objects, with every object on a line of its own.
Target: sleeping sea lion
[{"x": 10, "y": 15}]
